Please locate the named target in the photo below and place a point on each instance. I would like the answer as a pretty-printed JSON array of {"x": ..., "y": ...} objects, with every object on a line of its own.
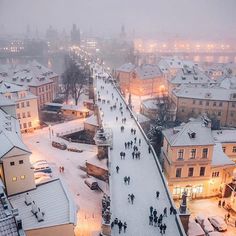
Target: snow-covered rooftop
[
  {"x": 5, "y": 101},
  {"x": 148, "y": 71},
  {"x": 191, "y": 76},
  {"x": 10, "y": 135},
  {"x": 224, "y": 136},
  {"x": 181, "y": 135},
  {"x": 53, "y": 199},
  {"x": 219, "y": 158},
  {"x": 127, "y": 67},
  {"x": 31, "y": 74},
  {"x": 208, "y": 92},
  {"x": 92, "y": 120}
]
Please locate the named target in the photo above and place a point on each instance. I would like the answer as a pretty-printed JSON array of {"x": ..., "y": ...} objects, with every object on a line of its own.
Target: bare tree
[{"x": 74, "y": 78}]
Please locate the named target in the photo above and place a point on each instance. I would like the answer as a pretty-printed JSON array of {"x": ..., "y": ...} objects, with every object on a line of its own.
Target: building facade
[{"x": 193, "y": 162}]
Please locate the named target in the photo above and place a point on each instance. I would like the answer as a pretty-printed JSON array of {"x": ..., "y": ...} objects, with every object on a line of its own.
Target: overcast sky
[{"x": 199, "y": 19}]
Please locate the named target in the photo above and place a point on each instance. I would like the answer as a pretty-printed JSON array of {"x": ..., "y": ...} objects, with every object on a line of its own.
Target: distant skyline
[{"x": 189, "y": 19}]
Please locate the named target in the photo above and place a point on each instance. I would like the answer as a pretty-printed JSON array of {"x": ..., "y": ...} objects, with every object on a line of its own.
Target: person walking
[
  {"x": 228, "y": 216},
  {"x": 125, "y": 227},
  {"x": 117, "y": 169},
  {"x": 149, "y": 149},
  {"x": 219, "y": 203},
  {"x": 164, "y": 228},
  {"x": 120, "y": 226},
  {"x": 223, "y": 204},
  {"x": 171, "y": 210},
  {"x": 155, "y": 213},
  {"x": 165, "y": 212},
  {"x": 150, "y": 220},
  {"x": 125, "y": 179},
  {"x": 157, "y": 194},
  {"x": 132, "y": 198},
  {"x": 128, "y": 180},
  {"x": 151, "y": 210},
  {"x": 155, "y": 221}
]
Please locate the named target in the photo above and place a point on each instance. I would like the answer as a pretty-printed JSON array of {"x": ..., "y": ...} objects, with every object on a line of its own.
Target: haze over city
[{"x": 202, "y": 19}]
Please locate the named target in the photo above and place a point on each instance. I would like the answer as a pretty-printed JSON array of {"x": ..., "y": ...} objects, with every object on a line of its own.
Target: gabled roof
[
  {"x": 53, "y": 199},
  {"x": 219, "y": 158},
  {"x": 10, "y": 135},
  {"x": 148, "y": 71},
  {"x": 128, "y": 67},
  {"x": 181, "y": 135}
]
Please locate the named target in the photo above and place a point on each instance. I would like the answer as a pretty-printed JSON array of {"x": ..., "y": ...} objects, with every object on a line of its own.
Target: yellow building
[
  {"x": 193, "y": 162},
  {"x": 142, "y": 80},
  {"x": 217, "y": 101}
]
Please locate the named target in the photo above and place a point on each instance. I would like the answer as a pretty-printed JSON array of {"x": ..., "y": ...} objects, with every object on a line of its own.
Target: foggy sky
[{"x": 199, "y": 19}]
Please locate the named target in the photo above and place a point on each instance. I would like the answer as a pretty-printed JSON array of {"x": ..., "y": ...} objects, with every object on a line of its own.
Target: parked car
[
  {"x": 205, "y": 223},
  {"x": 58, "y": 145},
  {"x": 194, "y": 229},
  {"x": 218, "y": 222},
  {"x": 92, "y": 183},
  {"x": 42, "y": 166}
]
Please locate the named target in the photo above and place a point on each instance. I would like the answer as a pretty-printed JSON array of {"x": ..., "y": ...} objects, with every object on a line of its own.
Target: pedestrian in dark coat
[
  {"x": 117, "y": 169},
  {"x": 128, "y": 180},
  {"x": 120, "y": 226},
  {"x": 133, "y": 155},
  {"x": 149, "y": 149},
  {"x": 151, "y": 210},
  {"x": 223, "y": 203},
  {"x": 139, "y": 142},
  {"x": 116, "y": 221},
  {"x": 150, "y": 220},
  {"x": 165, "y": 211},
  {"x": 112, "y": 224},
  {"x": 171, "y": 210},
  {"x": 125, "y": 226},
  {"x": 164, "y": 228},
  {"x": 155, "y": 213},
  {"x": 135, "y": 139},
  {"x": 157, "y": 194},
  {"x": 155, "y": 221},
  {"x": 132, "y": 198}
]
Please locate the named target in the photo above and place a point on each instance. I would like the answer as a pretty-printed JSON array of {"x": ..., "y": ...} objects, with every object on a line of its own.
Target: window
[
  {"x": 219, "y": 113},
  {"x": 194, "y": 101},
  {"x": 18, "y": 115},
  {"x": 14, "y": 179},
  {"x": 190, "y": 171},
  {"x": 28, "y": 103},
  {"x": 39, "y": 90},
  {"x": 220, "y": 104},
  {"x": 17, "y": 105},
  {"x": 202, "y": 171},
  {"x": 224, "y": 149},
  {"x": 20, "y": 126},
  {"x": 193, "y": 153},
  {"x": 28, "y": 114},
  {"x": 182, "y": 110},
  {"x": 25, "y": 125},
  {"x": 21, "y": 161},
  {"x": 22, "y": 177},
  {"x": 200, "y": 102},
  {"x": 29, "y": 124},
  {"x": 207, "y": 103},
  {"x": 178, "y": 172},
  {"x": 181, "y": 154},
  {"x": 204, "y": 152},
  {"x": 231, "y": 114},
  {"x": 23, "y": 115},
  {"x": 214, "y": 104},
  {"x": 22, "y": 104},
  {"x": 215, "y": 174},
  {"x": 234, "y": 149},
  {"x": 233, "y": 104},
  {"x": 12, "y": 163}
]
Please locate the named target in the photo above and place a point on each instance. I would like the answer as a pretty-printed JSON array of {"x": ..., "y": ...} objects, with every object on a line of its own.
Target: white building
[{"x": 26, "y": 105}]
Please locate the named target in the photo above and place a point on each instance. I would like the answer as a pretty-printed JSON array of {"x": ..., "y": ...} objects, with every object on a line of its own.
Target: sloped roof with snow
[
  {"x": 181, "y": 135},
  {"x": 148, "y": 71},
  {"x": 31, "y": 74},
  {"x": 191, "y": 75},
  {"x": 53, "y": 199},
  {"x": 10, "y": 135},
  {"x": 208, "y": 92},
  {"x": 5, "y": 101},
  {"x": 224, "y": 136},
  {"x": 127, "y": 67},
  {"x": 219, "y": 158}
]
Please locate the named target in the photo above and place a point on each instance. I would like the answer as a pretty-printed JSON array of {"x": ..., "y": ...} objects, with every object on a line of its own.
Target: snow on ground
[
  {"x": 88, "y": 201},
  {"x": 144, "y": 174}
]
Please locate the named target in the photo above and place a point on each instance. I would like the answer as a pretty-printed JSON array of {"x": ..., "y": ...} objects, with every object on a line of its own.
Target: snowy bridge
[{"x": 145, "y": 174}]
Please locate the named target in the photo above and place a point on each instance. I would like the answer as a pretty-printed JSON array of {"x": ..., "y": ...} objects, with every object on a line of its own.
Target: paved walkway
[{"x": 145, "y": 179}]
